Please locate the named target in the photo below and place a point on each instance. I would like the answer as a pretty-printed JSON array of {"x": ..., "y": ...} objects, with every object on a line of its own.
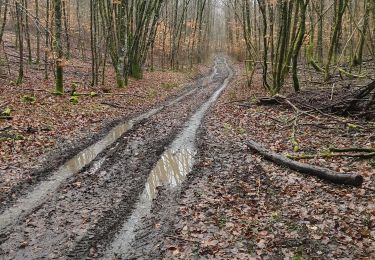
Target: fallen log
[
  {"x": 267, "y": 101},
  {"x": 320, "y": 172}
]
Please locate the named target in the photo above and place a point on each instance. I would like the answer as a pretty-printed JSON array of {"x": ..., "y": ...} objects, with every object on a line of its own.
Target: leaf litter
[{"x": 236, "y": 205}]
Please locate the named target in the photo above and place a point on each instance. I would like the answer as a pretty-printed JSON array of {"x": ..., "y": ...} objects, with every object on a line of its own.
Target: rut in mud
[{"x": 85, "y": 210}]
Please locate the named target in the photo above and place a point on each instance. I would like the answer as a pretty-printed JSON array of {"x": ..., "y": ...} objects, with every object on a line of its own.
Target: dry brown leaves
[{"x": 239, "y": 206}]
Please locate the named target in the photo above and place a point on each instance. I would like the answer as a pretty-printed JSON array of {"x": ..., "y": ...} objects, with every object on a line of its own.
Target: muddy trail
[{"x": 94, "y": 206}]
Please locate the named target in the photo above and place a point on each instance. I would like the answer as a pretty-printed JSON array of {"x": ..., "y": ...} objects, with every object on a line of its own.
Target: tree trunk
[{"x": 58, "y": 47}]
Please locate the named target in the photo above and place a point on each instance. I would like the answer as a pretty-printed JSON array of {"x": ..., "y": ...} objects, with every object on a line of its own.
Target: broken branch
[
  {"x": 331, "y": 155},
  {"x": 6, "y": 117},
  {"x": 123, "y": 94},
  {"x": 112, "y": 105},
  {"x": 352, "y": 149}
]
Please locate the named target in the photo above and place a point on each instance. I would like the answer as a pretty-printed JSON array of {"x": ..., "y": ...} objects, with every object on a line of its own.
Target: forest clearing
[{"x": 187, "y": 129}]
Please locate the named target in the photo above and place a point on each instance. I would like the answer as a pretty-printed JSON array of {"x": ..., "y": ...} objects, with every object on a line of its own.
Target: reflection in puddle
[
  {"x": 40, "y": 193},
  {"x": 171, "y": 169}
]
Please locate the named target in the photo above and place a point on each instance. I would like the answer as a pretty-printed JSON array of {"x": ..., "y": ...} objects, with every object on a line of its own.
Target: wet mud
[{"x": 82, "y": 208}]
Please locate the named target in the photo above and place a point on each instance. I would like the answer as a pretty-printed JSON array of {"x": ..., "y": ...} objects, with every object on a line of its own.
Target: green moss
[
  {"x": 74, "y": 100},
  {"x": 227, "y": 128},
  {"x": 26, "y": 99},
  {"x": 6, "y": 111},
  {"x": 18, "y": 137},
  {"x": 352, "y": 126},
  {"x": 57, "y": 93},
  {"x": 169, "y": 85},
  {"x": 152, "y": 94},
  {"x": 232, "y": 95},
  {"x": 241, "y": 131}
]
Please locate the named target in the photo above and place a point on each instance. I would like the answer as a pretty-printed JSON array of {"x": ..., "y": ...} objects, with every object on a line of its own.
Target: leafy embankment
[
  {"x": 36, "y": 122},
  {"x": 236, "y": 205}
]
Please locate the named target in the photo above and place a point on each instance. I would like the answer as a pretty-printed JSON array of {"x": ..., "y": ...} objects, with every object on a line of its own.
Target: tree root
[{"x": 320, "y": 172}]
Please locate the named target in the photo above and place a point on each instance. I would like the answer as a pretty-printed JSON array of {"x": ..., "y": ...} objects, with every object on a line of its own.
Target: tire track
[{"x": 90, "y": 206}]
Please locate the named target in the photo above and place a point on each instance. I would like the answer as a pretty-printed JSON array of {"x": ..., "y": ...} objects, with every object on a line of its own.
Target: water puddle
[
  {"x": 175, "y": 164},
  {"x": 35, "y": 198},
  {"x": 41, "y": 192}
]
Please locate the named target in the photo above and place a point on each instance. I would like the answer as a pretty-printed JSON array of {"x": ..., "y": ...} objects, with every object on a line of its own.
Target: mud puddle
[
  {"x": 172, "y": 168},
  {"x": 25, "y": 205}
]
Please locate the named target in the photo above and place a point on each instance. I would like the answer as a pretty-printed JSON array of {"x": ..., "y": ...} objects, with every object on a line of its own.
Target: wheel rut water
[
  {"x": 37, "y": 196},
  {"x": 82, "y": 213},
  {"x": 172, "y": 168}
]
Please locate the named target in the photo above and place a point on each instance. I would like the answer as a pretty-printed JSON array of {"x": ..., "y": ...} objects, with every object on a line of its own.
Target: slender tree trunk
[
  {"x": 20, "y": 30},
  {"x": 47, "y": 36},
  {"x": 27, "y": 31},
  {"x": 342, "y": 4},
  {"x": 58, "y": 47},
  {"x": 37, "y": 32}
]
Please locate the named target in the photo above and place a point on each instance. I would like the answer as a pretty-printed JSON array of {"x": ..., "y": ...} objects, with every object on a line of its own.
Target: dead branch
[
  {"x": 352, "y": 149},
  {"x": 6, "y": 128},
  {"x": 236, "y": 101},
  {"x": 37, "y": 89},
  {"x": 4, "y": 105},
  {"x": 331, "y": 155},
  {"x": 320, "y": 172},
  {"x": 123, "y": 94},
  {"x": 112, "y": 105},
  {"x": 245, "y": 105},
  {"x": 267, "y": 101},
  {"x": 6, "y": 117}
]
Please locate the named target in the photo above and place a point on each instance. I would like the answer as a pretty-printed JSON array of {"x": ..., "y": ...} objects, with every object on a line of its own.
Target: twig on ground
[
  {"x": 6, "y": 117},
  {"x": 4, "y": 105},
  {"x": 6, "y": 128},
  {"x": 112, "y": 105},
  {"x": 236, "y": 101},
  {"x": 183, "y": 239},
  {"x": 352, "y": 149},
  {"x": 331, "y": 155},
  {"x": 244, "y": 105},
  {"x": 37, "y": 89},
  {"x": 122, "y": 94}
]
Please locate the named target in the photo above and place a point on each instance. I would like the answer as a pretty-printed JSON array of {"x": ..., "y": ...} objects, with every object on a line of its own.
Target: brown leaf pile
[{"x": 238, "y": 206}]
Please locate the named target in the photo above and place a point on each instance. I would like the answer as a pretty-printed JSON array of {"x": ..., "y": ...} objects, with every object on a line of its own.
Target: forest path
[{"x": 78, "y": 211}]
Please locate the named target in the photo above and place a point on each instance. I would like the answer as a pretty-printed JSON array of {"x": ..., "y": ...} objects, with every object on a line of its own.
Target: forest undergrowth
[
  {"x": 236, "y": 205},
  {"x": 35, "y": 122}
]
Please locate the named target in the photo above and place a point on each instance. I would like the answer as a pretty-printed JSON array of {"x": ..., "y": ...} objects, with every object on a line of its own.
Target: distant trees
[
  {"x": 332, "y": 33},
  {"x": 126, "y": 34}
]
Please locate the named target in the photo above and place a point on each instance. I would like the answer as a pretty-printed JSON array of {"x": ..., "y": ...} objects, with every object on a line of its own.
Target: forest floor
[
  {"x": 46, "y": 130},
  {"x": 76, "y": 214},
  {"x": 233, "y": 204},
  {"x": 236, "y": 205}
]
